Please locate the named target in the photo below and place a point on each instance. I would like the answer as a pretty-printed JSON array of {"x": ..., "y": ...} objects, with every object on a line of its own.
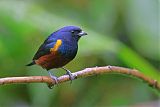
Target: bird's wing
[{"x": 45, "y": 48}]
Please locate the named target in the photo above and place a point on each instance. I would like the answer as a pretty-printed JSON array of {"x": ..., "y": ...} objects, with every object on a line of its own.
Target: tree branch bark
[{"x": 83, "y": 73}]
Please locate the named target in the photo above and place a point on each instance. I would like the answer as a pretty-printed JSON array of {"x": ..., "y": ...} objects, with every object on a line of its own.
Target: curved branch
[{"x": 83, "y": 73}]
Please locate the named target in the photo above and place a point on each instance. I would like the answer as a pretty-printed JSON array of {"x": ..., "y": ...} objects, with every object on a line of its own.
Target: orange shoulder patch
[{"x": 56, "y": 46}]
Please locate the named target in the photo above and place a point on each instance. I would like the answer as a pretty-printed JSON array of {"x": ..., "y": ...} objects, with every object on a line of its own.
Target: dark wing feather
[{"x": 45, "y": 47}]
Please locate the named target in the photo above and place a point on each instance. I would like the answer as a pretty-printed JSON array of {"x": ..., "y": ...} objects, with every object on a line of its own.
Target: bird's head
[{"x": 72, "y": 32}]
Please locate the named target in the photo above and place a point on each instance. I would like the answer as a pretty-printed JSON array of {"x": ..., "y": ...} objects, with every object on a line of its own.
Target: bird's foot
[
  {"x": 54, "y": 78},
  {"x": 71, "y": 77}
]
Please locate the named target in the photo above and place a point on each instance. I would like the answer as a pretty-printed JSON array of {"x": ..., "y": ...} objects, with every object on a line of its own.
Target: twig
[{"x": 83, "y": 73}]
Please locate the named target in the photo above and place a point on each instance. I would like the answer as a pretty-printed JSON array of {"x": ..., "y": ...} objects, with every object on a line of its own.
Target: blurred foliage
[{"x": 123, "y": 33}]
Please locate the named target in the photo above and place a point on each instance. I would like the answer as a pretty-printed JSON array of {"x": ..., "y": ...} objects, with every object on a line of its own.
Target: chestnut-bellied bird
[{"x": 58, "y": 50}]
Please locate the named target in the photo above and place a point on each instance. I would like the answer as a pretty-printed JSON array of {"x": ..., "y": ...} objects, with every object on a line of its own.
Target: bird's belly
[{"x": 52, "y": 61}]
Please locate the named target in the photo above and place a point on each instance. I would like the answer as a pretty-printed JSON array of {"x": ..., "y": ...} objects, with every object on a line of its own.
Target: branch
[{"x": 83, "y": 73}]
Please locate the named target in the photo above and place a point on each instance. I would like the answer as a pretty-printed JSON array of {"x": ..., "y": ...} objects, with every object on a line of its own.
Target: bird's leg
[
  {"x": 71, "y": 77},
  {"x": 54, "y": 78}
]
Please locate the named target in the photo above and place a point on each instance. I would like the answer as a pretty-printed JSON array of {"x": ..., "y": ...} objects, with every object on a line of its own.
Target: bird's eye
[{"x": 72, "y": 31}]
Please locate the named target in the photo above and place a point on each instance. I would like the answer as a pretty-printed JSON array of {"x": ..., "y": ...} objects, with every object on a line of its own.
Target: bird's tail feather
[{"x": 30, "y": 64}]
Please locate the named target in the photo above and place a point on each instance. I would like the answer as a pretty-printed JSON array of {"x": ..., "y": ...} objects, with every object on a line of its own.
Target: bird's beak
[{"x": 82, "y": 33}]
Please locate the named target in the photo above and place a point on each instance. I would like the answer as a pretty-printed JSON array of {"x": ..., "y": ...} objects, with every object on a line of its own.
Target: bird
[{"x": 59, "y": 48}]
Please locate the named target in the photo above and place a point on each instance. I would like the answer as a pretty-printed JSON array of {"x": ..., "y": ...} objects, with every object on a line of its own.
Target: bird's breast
[{"x": 68, "y": 50}]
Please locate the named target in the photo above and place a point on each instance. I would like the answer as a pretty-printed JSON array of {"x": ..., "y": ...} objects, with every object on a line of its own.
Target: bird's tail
[{"x": 30, "y": 64}]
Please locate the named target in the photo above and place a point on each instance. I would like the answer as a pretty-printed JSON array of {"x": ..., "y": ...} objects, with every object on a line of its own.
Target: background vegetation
[{"x": 120, "y": 32}]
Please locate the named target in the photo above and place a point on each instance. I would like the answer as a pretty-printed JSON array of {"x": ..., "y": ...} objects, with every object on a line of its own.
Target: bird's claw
[
  {"x": 55, "y": 79},
  {"x": 71, "y": 77}
]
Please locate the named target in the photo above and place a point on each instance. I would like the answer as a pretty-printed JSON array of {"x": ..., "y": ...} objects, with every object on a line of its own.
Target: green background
[{"x": 120, "y": 32}]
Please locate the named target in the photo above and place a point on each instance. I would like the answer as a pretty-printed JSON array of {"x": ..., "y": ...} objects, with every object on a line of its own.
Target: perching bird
[{"x": 58, "y": 50}]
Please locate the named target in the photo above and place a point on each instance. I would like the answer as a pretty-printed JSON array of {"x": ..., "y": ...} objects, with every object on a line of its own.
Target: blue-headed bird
[{"x": 58, "y": 50}]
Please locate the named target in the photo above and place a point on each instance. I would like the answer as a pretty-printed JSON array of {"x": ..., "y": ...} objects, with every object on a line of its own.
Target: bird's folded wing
[{"x": 45, "y": 48}]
